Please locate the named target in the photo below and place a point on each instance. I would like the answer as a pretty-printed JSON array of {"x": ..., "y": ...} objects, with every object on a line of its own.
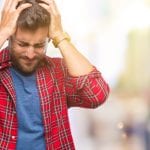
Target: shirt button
[{"x": 13, "y": 137}]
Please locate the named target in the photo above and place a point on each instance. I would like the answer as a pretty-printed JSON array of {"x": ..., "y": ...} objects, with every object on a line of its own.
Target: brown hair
[{"x": 33, "y": 17}]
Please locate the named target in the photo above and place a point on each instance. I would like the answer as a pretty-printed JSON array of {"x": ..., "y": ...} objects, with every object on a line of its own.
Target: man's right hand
[{"x": 9, "y": 16}]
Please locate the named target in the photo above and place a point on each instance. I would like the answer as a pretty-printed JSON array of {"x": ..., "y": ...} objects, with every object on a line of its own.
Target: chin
[{"x": 26, "y": 70}]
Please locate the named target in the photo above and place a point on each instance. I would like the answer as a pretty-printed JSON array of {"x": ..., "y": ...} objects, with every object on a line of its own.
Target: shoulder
[
  {"x": 4, "y": 55},
  {"x": 4, "y": 58},
  {"x": 57, "y": 64}
]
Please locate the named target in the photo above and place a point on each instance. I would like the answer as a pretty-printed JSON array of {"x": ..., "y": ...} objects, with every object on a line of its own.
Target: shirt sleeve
[{"x": 88, "y": 91}]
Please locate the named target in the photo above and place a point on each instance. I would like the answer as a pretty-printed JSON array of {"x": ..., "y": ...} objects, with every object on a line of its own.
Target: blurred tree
[{"x": 136, "y": 76}]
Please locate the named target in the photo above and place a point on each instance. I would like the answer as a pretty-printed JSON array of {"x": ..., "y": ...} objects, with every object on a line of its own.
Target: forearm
[
  {"x": 88, "y": 91},
  {"x": 76, "y": 63},
  {"x": 3, "y": 38}
]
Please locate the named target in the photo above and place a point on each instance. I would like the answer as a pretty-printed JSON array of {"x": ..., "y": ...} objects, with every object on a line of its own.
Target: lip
[{"x": 28, "y": 61}]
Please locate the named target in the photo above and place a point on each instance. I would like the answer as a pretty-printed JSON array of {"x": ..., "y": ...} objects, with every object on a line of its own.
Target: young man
[{"x": 36, "y": 90}]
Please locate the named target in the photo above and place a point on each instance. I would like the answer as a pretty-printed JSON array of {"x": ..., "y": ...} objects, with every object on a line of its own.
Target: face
[{"x": 28, "y": 49}]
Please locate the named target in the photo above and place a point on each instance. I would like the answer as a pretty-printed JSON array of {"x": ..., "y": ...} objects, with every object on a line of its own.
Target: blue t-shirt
[{"x": 30, "y": 123}]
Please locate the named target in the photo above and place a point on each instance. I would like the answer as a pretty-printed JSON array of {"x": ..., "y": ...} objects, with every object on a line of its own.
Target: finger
[
  {"x": 6, "y": 7},
  {"x": 23, "y": 6},
  {"x": 50, "y": 6},
  {"x": 15, "y": 3},
  {"x": 11, "y": 4},
  {"x": 45, "y": 6},
  {"x": 45, "y": 1},
  {"x": 7, "y": 3},
  {"x": 55, "y": 9}
]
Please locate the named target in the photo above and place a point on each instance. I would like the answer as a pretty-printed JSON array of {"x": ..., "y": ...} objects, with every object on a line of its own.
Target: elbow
[{"x": 101, "y": 96}]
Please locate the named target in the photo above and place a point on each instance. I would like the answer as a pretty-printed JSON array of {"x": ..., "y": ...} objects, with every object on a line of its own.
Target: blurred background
[{"x": 115, "y": 36}]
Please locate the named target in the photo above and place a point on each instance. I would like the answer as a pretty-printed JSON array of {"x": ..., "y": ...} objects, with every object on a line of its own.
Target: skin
[
  {"x": 9, "y": 16},
  {"x": 73, "y": 58},
  {"x": 76, "y": 63},
  {"x": 55, "y": 29},
  {"x": 25, "y": 57}
]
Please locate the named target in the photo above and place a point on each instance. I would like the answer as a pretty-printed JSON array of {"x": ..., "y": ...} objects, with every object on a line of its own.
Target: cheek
[
  {"x": 16, "y": 54},
  {"x": 14, "y": 50}
]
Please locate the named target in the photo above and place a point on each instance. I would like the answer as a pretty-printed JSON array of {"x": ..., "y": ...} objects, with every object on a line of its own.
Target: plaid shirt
[{"x": 57, "y": 91}]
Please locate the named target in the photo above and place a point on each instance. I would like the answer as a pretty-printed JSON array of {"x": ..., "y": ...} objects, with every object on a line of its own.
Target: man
[{"x": 36, "y": 90}]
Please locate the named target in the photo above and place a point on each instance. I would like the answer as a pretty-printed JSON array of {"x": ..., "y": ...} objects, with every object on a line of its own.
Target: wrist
[
  {"x": 3, "y": 38},
  {"x": 59, "y": 38},
  {"x": 4, "y": 34}
]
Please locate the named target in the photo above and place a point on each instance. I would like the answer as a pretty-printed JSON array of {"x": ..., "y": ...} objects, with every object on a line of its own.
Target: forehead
[{"x": 32, "y": 36}]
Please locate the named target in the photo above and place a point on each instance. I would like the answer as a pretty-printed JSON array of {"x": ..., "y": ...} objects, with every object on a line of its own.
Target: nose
[{"x": 30, "y": 52}]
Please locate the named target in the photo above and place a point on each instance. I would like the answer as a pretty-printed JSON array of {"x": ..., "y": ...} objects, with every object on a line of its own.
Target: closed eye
[
  {"x": 39, "y": 45},
  {"x": 23, "y": 44}
]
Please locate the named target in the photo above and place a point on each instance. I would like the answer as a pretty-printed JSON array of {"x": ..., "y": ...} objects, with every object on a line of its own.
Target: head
[
  {"x": 33, "y": 17},
  {"x": 28, "y": 44}
]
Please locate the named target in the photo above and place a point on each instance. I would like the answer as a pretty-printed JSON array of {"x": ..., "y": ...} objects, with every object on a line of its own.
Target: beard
[{"x": 24, "y": 65}]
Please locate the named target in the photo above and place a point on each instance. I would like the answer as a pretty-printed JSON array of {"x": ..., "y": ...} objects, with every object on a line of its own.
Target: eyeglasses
[{"x": 24, "y": 46}]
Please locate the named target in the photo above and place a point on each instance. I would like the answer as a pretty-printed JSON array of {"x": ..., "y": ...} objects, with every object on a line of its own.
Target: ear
[{"x": 9, "y": 40}]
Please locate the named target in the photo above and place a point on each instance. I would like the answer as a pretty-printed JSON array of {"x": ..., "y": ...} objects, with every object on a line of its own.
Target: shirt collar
[
  {"x": 6, "y": 62},
  {"x": 5, "y": 59}
]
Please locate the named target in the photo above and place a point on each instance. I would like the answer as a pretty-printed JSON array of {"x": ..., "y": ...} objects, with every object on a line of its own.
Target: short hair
[{"x": 33, "y": 17}]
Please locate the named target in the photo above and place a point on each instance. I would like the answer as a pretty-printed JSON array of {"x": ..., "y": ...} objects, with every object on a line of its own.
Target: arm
[
  {"x": 76, "y": 63},
  {"x": 88, "y": 91},
  {"x": 85, "y": 87},
  {"x": 9, "y": 17}
]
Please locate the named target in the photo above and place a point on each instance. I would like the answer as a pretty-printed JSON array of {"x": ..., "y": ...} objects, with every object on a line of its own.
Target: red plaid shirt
[{"x": 57, "y": 91}]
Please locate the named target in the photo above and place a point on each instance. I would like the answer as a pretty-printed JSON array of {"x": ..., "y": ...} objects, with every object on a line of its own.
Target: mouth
[{"x": 28, "y": 62}]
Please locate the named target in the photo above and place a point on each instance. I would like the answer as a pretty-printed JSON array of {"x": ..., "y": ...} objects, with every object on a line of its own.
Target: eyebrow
[{"x": 23, "y": 42}]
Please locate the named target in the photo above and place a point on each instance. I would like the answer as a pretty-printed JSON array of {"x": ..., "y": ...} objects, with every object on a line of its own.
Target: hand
[
  {"x": 55, "y": 28},
  {"x": 9, "y": 16}
]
